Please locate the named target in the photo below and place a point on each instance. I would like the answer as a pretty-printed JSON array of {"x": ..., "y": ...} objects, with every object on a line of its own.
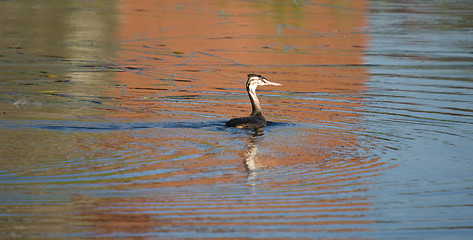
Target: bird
[{"x": 256, "y": 118}]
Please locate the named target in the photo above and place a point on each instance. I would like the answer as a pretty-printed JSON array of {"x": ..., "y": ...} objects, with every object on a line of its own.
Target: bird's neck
[{"x": 257, "y": 112}]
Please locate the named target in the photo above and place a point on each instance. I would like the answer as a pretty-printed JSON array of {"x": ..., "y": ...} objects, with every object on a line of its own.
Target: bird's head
[{"x": 255, "y": 80}]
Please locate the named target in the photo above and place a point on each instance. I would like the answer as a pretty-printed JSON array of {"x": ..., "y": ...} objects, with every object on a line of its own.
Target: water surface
[{"x": 113, "y": 113}]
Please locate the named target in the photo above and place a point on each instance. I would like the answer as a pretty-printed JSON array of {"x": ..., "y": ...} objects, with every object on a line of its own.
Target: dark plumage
[{"x": 256, "y": 118}]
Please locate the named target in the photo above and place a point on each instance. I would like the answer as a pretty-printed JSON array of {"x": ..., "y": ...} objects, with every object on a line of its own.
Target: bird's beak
[{"x": 273, "y": 83}]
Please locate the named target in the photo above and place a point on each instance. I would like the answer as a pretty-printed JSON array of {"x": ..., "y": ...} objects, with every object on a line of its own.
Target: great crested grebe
[{"x": 256, "y": 119}]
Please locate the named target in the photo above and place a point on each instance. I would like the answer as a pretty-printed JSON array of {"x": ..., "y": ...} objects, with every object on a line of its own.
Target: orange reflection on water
[
  {"x": 188, "y": 61},
  {"x": 188, "y": 57}
]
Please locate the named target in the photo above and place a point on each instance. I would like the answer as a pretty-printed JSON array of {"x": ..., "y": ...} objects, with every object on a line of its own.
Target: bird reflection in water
[{"x": 250, "y": 160}]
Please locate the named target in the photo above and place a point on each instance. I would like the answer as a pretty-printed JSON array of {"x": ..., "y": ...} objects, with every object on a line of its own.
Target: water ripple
[{"x": 369, "y": 136}]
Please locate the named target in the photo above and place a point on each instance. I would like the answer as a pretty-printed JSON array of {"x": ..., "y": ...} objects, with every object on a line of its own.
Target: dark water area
[{"x": 112, "y": 120}]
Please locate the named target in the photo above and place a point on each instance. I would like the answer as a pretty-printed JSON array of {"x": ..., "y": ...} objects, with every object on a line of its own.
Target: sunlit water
[{"x": 112, "y": 122}]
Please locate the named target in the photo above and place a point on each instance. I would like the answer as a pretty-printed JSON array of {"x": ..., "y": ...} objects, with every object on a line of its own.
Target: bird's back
[{"x": 246, "y": 122}]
